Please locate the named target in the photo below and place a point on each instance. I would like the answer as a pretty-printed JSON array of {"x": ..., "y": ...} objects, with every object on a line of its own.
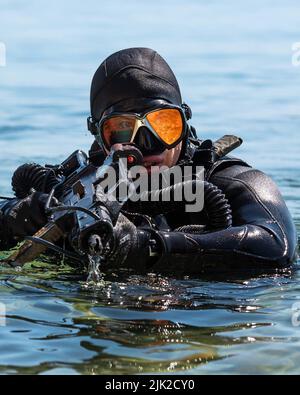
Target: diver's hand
[
  {"x": 131, "y": 247},
  {"x": 123, "y": 241},
  {"x": 24, "y": 217}
]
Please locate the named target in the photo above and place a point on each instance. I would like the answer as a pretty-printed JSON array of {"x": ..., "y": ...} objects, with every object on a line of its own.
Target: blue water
[{"x": 234, "y": 63}]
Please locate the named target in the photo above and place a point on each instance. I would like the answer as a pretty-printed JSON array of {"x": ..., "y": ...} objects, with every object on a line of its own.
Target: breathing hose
[
  {"x": 33, "y": 176},
  {"x": 163, "y": 200}
]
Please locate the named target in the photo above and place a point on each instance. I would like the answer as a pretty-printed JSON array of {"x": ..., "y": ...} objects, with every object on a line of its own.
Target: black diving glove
[
  {"x": 22, "y": 217},
  {"x": 131, "y": 247}
]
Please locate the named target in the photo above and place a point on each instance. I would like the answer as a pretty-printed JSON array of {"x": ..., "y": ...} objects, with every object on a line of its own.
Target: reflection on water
[
  {"x": 146, "y": 324},
  {"x": 233, "y": 62}
]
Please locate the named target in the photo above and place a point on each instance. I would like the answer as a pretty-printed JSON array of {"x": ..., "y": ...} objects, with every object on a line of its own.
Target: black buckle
[
  {"x": 187, "y": 111},
  {"x": 92, "y": 125},
  {"x": 205, "y": 155}
]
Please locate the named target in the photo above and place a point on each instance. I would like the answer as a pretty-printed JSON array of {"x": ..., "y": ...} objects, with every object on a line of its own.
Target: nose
[{"x": 147, "y": 142}]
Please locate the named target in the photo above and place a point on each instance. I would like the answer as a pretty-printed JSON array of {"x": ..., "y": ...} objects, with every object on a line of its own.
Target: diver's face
[{"x": 168, "y": 158}]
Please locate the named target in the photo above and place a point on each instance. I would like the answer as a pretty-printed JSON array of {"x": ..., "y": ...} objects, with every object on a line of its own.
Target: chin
[{"x": 153, "y": 169}]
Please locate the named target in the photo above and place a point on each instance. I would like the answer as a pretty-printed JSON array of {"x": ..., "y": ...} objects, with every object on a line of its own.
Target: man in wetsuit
[{"x": 135, "y": 98}]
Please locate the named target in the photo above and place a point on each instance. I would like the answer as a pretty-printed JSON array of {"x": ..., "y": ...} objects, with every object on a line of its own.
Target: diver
[{"x": 137, "y": 84}]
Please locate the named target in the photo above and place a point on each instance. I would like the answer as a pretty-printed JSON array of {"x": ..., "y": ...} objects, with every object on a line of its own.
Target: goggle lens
[
  {"x": 118, "y": 129},
  {"x": 167, "y": 123}
]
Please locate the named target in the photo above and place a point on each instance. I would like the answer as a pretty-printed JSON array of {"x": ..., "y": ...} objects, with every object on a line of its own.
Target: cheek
[{"x": 171, "y": 156}]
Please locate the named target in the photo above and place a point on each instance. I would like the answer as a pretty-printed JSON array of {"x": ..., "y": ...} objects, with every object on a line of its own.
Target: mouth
[{"x": 153, "y": 161}]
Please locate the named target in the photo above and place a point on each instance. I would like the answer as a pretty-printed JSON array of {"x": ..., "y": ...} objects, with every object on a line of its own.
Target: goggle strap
[
  {"x": 187, "y": 111},
  {"x": 92, "y": 125}
]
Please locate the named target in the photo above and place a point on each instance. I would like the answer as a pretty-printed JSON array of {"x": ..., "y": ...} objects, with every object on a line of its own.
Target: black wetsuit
[{"x": 262, "y": 234}]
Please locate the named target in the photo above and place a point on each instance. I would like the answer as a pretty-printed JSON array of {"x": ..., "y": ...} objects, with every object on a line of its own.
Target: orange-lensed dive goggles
[{"x": 168, "y": 124}]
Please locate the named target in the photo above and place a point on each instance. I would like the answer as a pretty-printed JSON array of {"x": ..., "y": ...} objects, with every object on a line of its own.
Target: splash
[{"x": 95, "y": 277}]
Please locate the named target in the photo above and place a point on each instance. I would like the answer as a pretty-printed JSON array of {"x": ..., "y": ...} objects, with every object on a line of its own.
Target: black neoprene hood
[{"x": 129, "y": 75}]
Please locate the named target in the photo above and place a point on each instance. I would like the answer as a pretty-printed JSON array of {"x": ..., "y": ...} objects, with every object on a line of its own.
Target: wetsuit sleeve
[
  {"x": 21, "y": 217},
  {"x": 263, "y": 234},
  {"x": 6, "y": 238}
]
